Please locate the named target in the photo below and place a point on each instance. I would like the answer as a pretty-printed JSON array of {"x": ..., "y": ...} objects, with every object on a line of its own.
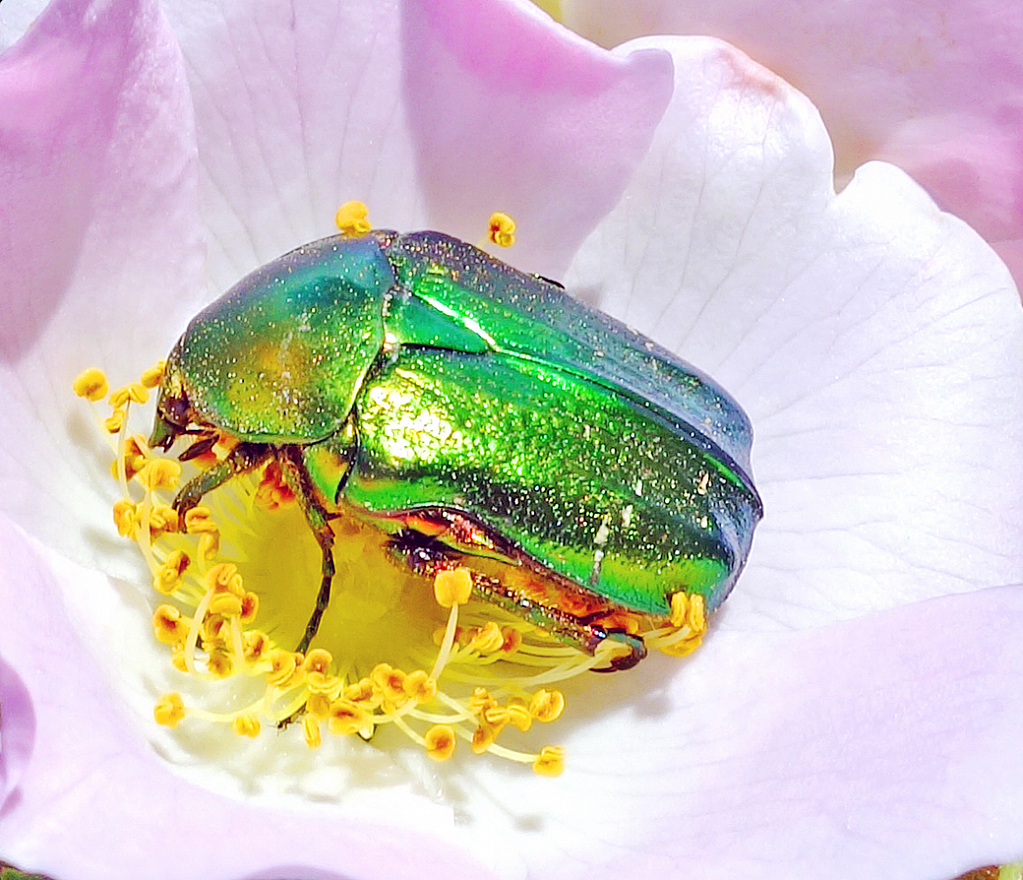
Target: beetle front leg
[
  {"x": 244, "y": 457},
  {"x": 297, "y": 477}
]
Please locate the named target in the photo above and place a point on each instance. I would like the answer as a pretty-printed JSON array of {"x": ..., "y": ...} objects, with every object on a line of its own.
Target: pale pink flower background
[
  {"x": 935, "y": 87},
  {"x": 855, "y": 713}
]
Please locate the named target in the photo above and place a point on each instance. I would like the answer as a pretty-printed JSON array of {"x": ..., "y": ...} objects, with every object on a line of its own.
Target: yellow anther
[
  {"x": 209, "y": 545},
  {"x": 283, "y": 668},
  {"x": 480, "y": 701},
  {"x": 684, "y": 647},
  {"x": 246, "y": 725},
  {"x": 361, "y": 691},
  {"x": 547, "y": 705},
  {"x": 220, "y": 663},
  {"x": 250, "y": 605},
  {"x": 162, "y": 518},
  {"x": 452, "y": 587},
  {"x": 502, "y": 229},
  {"x": 317, "y": 661},
  {"x": 256, "y": 645},
  {"x": 226, "y": 604},
  {"x": 311, "y": 731},
  {"x": 697, "y": 617},
  {"x": 317, "y": 672},
  {"x": 519, "y": 715},
  {"x": 168, "y": 624},
  {"x": 224, "y": 578},
  {"x": 91, "y": 384},
  {"x": 199, "y": 520},
  {"x": 115, "y": 422},
  {"x": 551, "y": 761},
  {"x": 351, "y": 218},
  {"x": 488, "y": 638},
  {"x": 119, "y": 397},
  {"x": 135, "y": 456},
  {"x": 441, "y": 631},
  {"x": 319, "y": 705},
  {"x": 512, "y": 640},
  {"x": 135, "y": 446},
  {"x": 160, "y": 473},
  {"x": 483, "y": 737},
  {"x": 496, "y": 715},
  {"x": 679, "y": 609},
  {"x": 168, "y": 578},
  {"x": 124, "y": 518},
  {"x": 178, "y": 660},
  {"x": 387, "y": 682},
  {"x": 169, "y": 711},
  {"x": 419, "y": 686},
  {"x": 215, "y": 631},
  {"x": 137, "y": 393},
  {"x": 440, "y": 742},
  {"x": 153, "y": 376},
  {"x": 347, "y": 718}
]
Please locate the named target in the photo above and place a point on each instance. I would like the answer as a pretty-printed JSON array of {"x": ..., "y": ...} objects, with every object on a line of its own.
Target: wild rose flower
[{"x": 855, "y": 711}]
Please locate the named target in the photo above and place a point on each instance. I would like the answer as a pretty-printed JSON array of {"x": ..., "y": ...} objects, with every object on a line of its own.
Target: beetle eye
[{"x": 177, "y": 410}]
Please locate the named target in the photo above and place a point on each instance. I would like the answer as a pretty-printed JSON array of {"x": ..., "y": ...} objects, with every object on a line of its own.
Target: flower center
[{"x": 237, "y": 577}]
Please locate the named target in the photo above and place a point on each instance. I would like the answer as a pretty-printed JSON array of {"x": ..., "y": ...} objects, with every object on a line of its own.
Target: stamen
[
  {"x": 311, "y": 731},
  {"x": 115, "y": 422},
  {"x": 170, "y": 710},
  {"x": 551, "y": 761},
  {"x": 452, "y": 587},
  {"x": 91, "y": 384},
  {"x": 124, "y": 518},
  {"x": 351, "y": 218},
  {"x": 547, "y": 706},
  {"x": 153, "y": 376},
  {"x": 169, "y": 626},
  {"x": 246, "y": 725},
  {"x": 502, "y": 229},
  {"x": 440, "y": 742}
]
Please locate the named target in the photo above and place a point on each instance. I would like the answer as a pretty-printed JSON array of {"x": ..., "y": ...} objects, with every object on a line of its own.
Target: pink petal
[
  {"x": 100, "y": 247},
  {"x": 511, "y": 114},
  {"x": 935, "y": 88}
]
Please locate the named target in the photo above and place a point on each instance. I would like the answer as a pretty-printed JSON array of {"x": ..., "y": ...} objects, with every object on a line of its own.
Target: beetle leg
[
  {"x": 635, "y": 644},
  {"x": 427, "y": 555},
  {"x": 297, "y": 477},
  {"x": 200, "y": 447},
  {"x": 244, "y": 457}
]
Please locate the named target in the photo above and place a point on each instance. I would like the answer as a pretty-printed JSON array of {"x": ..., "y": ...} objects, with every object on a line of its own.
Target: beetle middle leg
[{"x": 297, "y": 477}]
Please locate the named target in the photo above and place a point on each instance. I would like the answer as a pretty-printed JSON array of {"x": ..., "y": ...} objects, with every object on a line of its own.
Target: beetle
[{"x": 482, "y": 418}]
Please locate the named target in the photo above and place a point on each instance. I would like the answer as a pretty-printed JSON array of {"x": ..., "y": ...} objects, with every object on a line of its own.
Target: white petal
[
  {"x": 876, "y": 343},
  {"x": 432, "y": 112}
]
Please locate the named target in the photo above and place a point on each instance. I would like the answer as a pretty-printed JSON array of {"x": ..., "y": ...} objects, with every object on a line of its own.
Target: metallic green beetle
[{"x": 476, "y": 414}]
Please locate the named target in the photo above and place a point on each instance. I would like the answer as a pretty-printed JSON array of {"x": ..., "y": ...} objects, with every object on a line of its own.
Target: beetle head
[{"x": 173, "y": 409}]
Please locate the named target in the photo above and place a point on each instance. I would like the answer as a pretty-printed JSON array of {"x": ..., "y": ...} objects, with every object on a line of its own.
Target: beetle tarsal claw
[{"x": 636, "y": 652}]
